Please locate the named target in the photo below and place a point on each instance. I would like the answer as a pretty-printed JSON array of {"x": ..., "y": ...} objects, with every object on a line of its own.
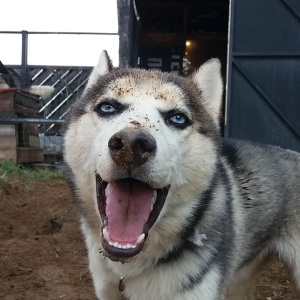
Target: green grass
[{"x": 9, "y": 169}]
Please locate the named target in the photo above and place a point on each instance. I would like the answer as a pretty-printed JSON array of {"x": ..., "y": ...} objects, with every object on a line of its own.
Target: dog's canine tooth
[
  {"x": 106, "y": 191},
  {"x": 140, "y": 239},
  {"x": 153, "y": 199},
  {"x": 106, "y": 234}
]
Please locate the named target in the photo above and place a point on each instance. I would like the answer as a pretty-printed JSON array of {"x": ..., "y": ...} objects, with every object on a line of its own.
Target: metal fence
[{"x": 34, "y": 101}]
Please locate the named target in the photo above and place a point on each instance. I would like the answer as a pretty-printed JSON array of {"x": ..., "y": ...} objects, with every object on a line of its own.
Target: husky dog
[{"x": 169, "y": 210}]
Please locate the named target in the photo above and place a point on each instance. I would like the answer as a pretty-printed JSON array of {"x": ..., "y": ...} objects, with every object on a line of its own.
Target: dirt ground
[{"x": 42, "y": 254}]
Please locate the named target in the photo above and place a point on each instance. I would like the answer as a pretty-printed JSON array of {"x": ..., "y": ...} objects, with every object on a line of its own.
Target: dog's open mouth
[{"x": 128, "y": 208}]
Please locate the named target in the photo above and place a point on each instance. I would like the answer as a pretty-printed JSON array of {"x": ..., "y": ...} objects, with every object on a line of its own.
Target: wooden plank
[
  {"x": 7, "y": 102},
  {"x": 8, "y": 137},
  {"x": 28, "y": 155},
  {"x": 31, "y": 129},
  {"x": 125, "y": 15},
  {"x": 8, "y": 143},
  {"x": 25, "y": 111},
  {"x": 8, "y": 154},
  {"x": 34, "y": 141},
  {"x": 6, "y": 129},
  {"x": 29, "y": 136},
  {"x": 27, "y": 100}
]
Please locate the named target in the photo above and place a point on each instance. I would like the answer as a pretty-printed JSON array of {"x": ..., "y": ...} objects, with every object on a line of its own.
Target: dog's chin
[{"x": 128, "y": 209}]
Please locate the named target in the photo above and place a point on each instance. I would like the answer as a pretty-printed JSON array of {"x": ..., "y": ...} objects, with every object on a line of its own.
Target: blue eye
[
  {"x": 178, "y": 119},
  {"x": 107, "y": 108}
]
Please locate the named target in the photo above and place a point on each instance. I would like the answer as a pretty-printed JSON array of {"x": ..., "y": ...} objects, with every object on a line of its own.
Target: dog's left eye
[{"x": 179, "y": 120}]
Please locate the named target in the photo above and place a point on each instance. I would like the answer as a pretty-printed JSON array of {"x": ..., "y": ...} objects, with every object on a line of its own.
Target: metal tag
[{"x": 121, "y": 285}]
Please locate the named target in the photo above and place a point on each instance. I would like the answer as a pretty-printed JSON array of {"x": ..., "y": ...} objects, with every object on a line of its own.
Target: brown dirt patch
[{"x": 42, "y": 254}]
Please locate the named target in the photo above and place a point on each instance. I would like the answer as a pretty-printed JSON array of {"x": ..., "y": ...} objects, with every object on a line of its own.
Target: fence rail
[{"x": 30, "y": 119}]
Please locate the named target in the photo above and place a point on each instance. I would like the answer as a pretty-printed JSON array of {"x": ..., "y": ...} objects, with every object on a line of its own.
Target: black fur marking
[
  {"x": 193, "y": 280},
  {"x": 186, "y": 245},
  {"x": 223, "y": 238},
  {"x": 229, "y": 150},
  {"x": 226, "y": 227}
]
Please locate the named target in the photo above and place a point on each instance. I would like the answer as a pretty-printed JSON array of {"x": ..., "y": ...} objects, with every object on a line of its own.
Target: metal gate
[{"x": 263, "y": 85}]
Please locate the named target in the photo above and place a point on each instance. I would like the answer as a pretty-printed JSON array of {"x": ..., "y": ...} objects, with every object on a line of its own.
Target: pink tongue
[{"x": 128, "y": 207}]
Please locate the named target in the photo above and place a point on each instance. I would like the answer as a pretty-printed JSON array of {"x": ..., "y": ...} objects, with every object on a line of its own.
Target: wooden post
[
  {"x": 125, "y": 14},
  {"x": 24, "y": 66}
]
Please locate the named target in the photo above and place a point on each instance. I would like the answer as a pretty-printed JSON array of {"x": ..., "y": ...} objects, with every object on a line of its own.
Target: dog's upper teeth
[
  {"x": 153, "y": 199},
  {"x": 140, "y": 238},
  {"x": 106, "y": 191},
  {"x": 106, "y": 234}
]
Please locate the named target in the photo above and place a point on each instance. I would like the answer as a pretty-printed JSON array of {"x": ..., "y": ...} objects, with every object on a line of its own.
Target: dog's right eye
[{"x": 108, "y": 108}]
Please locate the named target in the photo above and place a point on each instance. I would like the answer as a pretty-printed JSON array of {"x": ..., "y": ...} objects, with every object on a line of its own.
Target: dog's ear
[
  {"x": 103, "y": 67},
  {"x": 209, "y": 81}
]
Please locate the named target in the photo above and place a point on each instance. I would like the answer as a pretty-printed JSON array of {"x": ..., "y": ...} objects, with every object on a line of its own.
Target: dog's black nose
[{"x": 131, "y": 147}]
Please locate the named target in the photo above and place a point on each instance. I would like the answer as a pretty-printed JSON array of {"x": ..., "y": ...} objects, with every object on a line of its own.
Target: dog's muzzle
[{"x": 129, "y": 206}]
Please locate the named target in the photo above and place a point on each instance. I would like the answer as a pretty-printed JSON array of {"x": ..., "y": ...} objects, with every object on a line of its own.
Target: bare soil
[{"x": 42, "y": 253}]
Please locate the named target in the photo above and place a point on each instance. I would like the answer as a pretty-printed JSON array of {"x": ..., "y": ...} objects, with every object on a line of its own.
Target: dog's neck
[{"x": 197, "y": 238}]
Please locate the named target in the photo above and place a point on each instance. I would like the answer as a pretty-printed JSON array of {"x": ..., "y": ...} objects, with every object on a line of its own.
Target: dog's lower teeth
[{"x": 117, "y": 245}]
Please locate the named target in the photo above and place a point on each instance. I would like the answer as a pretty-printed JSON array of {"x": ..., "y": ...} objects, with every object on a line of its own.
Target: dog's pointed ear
[
  {"x": 209, "y": 81},
  {"x": 103, "y": 67}
]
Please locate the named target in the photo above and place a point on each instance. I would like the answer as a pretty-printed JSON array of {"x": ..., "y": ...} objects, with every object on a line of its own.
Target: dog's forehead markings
[{"x": 143, "y": 87}]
